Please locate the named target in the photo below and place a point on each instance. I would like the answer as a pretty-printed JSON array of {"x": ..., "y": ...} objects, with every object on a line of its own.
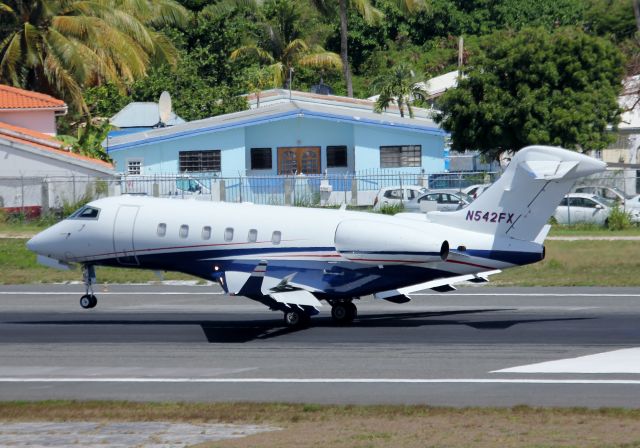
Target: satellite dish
[{"x": 164, "y": 107}]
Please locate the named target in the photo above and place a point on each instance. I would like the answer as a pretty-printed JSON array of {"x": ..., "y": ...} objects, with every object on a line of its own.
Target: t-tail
[{"x": 519, "y": 204}]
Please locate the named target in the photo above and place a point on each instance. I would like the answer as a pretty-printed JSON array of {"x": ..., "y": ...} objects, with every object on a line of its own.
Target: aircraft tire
[
  {"x": 86, "y": 302},
  {"x": 343, "y": 313},
  {"x": 296, "y": 318},
  {"x": 94, "y": 301}
]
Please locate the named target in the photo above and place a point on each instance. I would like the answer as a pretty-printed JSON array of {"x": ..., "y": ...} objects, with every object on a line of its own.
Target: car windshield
[
  {"x": 621, "y": 193},
  {"x": 605, "y": 201}
]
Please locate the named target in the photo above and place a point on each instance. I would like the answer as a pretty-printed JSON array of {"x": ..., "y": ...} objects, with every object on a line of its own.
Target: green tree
[
  {"x": 535, "y": 87},
  {"x": 282, "y": 45},
  {"x": 399, "y": 86},
  {"x": 62, "y": 46}
]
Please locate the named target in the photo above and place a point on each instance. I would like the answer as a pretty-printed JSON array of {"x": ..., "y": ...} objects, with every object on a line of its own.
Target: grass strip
[
  {"x": 365, "y": 426},
  {"x": 567, "y": 263}
]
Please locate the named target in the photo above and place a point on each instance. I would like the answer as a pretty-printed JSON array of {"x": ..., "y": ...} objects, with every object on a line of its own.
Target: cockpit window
[{"x": 85, "y": 212}]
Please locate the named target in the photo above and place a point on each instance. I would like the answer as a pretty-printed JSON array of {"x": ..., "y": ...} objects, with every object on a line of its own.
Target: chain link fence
[{"x": 42, "y": 194}]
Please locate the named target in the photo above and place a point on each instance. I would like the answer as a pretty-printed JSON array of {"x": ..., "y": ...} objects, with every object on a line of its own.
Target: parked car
[
  {"x": 611, "y": 193},
  {"x": 445, "y": 200},
  {"x": 475, "y": 190},
  {"x": 585, "y": 207},
  {"x": 388, "y": 196}
]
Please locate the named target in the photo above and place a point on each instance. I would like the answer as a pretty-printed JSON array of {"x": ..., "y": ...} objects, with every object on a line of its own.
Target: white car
[
  {"x": 445, "y": 200},
  {"x": 585, "y": 207},
  {"x": 389, "y": 196},
  {"x": 613, "y": 194}
]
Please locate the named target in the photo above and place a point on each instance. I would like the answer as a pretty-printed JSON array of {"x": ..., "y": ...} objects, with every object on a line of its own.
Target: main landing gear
[
  {"x": 296, "y": 318},
  {"x": 343, "y": 311},
  {"x": 88, "y": 300}
]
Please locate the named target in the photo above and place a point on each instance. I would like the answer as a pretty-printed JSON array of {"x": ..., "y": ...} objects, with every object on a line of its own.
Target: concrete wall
[
  {"x": 369, "y": 139},
  {"x": 38, "y": 120},
  {"x": 300, "y": 132},
  {"x": 26, "y": 179}
]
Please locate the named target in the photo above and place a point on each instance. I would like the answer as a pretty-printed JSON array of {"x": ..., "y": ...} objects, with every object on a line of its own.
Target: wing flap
[{"x": 296, "y": 297}]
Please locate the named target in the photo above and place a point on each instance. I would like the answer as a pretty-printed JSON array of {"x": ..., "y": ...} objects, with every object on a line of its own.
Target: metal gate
[{"x": 123, "y": 235}]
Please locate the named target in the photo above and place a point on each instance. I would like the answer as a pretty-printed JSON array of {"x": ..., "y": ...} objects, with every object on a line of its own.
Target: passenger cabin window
[
  {"x": 276, "y": 237},
  {"x": 228, "y": 234},
  {"x": 253, "y": 236},
  {"x": 184, "y": 231},
  {"x": 206, "y": 232},
  {"x": 162, "y": 229},
  {"x": 85, "y": 213}
]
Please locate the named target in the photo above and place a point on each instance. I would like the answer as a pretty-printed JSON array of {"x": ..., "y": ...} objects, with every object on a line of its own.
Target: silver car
[
  {"x": 443, "y": 200},
  {"x": 584, "y": 207}
]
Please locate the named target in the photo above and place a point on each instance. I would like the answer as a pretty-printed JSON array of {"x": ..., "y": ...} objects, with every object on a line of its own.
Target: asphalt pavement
[{"x": 474, "y": 347}]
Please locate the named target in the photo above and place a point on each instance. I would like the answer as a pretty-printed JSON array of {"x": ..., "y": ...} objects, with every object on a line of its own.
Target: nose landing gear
[{"x": 88, "y": 300}]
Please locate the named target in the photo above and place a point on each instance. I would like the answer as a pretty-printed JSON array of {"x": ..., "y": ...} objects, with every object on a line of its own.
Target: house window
[
  {"x": 336, "y": 156},
  {"x": 260, "y": 158},
  {"x": 228, "y": 234},
  {"x": 184, "y": 231},
  {"x": 199, "y": 161},
  {"x": 400, "y": 156},
  {"x": 253, "y": 236},
  {"x": 276, "y": 237},
  {"x": 206, "y": 232},
  {"x": 134, "y": 167},
  {"x": 162, "y": 229}
]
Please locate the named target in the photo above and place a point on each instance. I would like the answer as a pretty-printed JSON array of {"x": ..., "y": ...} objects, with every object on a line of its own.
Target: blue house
[{"x": 299, "y": 134}]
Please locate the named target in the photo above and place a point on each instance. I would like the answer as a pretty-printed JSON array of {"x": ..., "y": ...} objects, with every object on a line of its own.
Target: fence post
[
  {"x": 223, "y": 191},
  {"x": 44, "y": 197},
  {"x": 287, "y": 190},
  {"x": 22, "y": 194},
  {"x": 354, "y": 191}
]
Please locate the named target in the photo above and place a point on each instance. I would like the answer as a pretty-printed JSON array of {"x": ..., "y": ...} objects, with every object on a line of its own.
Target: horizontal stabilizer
[
  {"x": 297, "y": 297},
  {"x": 549, "y": 169}
]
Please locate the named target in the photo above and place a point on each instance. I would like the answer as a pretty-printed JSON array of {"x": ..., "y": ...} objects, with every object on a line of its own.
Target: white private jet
[{"x": 292, "y": 258}]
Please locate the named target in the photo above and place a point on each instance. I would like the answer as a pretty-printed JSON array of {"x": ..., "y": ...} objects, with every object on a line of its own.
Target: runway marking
[
  {"x": 626, "y": 360},
  {"x": 322, "y": 380}
]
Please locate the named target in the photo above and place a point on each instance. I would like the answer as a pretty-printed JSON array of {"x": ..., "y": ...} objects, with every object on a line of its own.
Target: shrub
[
  {"x": 618, "y": 219},
  {"x": 391, "y": 209}
]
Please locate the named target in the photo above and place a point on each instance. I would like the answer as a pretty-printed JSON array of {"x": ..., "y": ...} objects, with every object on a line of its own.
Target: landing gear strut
[
  {"x": 88, "y": 300},
  {"x": 343, "y": 311}
]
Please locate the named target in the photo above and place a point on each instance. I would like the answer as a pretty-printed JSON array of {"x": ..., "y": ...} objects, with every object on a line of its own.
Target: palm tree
[
  {"x": 282, "y": 46},
  {"x": 370, "y": 14},
  {"x": 61, "y": 46},
  {"x": 399, "y": 86}
]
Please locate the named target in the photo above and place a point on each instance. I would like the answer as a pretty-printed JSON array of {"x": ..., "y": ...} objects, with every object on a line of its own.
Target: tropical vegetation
[{"x": 545, "y": 72}]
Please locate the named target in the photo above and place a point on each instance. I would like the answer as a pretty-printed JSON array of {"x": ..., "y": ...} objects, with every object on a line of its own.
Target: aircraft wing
[
  {"x": 258, "y": 283},
  {"x": 401, "y": 295}
]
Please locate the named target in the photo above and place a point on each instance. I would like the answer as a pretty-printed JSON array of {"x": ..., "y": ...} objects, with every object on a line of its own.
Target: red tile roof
[
  {"x": 14, "y": 98},
  {"x": 44, "y": 142}
]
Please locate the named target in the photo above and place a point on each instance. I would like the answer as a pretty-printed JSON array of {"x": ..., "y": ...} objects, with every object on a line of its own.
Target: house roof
[
  {"x": 276, "y": 96},
  {"x": 276, "y": 112},
  {"x": 48, "y": 146},
  {"x": 12, "y": 98},
  {"x": 141, "y": 115}
]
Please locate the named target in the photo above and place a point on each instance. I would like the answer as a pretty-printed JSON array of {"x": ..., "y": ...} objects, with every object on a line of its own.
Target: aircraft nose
[{"x": 36, "y": 243}]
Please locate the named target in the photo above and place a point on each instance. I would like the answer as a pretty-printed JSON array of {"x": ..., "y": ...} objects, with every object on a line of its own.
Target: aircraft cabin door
[{"x": 123, "y": 235}]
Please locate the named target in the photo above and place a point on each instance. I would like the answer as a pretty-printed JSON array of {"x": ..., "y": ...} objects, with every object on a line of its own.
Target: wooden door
[{"x": 299, "y": 160}]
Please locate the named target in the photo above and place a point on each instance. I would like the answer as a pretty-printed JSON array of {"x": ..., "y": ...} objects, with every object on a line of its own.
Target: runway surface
[{"x": 475, "y": 347}]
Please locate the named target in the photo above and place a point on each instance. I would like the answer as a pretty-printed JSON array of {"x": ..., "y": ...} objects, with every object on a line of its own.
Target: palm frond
[
  {"x": 10, "y": 56},
  {"x": 411, "y": 6},
  {"x": 64, "y": 83},
  {"x": 6, "y": 8},
  {"x": 169, "y": 12},
  {"x": 164, "y": 50},
  {"x": 251, "y": 51},
  {"x": 326, "y": 59},
  {"x": 293, "y": 49},
  {"x": 369, "y": 12}
]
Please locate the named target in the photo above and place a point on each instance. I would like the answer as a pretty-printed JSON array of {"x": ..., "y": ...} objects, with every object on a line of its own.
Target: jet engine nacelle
[{"x": 381, "y": 243}]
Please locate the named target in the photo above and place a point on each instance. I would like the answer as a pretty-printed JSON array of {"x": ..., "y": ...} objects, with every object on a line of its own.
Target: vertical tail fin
[{"x": 521, "y": 201}]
